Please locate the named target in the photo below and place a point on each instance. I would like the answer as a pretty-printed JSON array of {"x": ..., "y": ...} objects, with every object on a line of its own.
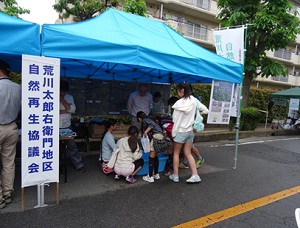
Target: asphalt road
[{"x": 265, "y": 166}]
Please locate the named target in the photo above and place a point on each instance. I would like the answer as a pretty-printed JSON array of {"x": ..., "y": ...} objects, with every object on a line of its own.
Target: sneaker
[
  {"x": 2, "y": 203},
  {"x": 168, "y": 173},
  {"x": 156, "y": 176},
  {"x": 199, "y": 162},
  {"x": 7, "y": 198},
  {"x": 117, "y": 177},
  {"x": 183, "y": 166},
  {"x": 194, "y": 179},
  {"x": 130, "y": 179},
  {"x": 174, "y": 178},
  {"x": 148, "y": 179}
]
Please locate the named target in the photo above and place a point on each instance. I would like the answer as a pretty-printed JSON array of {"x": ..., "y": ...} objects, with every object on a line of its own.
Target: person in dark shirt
[{"x": 151, "y": 129}]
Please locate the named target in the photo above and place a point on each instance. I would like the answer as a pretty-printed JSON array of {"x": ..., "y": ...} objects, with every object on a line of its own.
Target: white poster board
[
  {"x": 294, "y": 104},
  {"x": 234, "y": 101},
  {"x": 293, "y": 108},
  {"x": 220, "y": 102},
  {"x": 40, "y": 120}
]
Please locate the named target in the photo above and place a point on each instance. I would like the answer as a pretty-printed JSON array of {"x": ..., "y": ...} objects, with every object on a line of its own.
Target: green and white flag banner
[{"x": 229, "y": 44}]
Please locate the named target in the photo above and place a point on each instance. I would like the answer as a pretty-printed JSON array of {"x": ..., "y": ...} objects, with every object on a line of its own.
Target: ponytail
[{"x": 133, "y": 132}]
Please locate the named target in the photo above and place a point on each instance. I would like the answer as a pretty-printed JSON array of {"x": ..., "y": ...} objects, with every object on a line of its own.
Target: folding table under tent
[
  {"x": 121, "y": 46},
  {"x": 18, "y": 37}
]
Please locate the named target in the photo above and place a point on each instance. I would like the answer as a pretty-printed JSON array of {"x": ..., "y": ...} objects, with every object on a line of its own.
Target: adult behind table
[
  {"x": 67, "y": 107},
  {"x": 10, "y": 96},
  {"x": 140, "y": 100},
  {"x": 157, "y": 105}
]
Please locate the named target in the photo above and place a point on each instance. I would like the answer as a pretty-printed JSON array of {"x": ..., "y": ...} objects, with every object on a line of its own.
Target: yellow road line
[{"x": 239, "y": 209}]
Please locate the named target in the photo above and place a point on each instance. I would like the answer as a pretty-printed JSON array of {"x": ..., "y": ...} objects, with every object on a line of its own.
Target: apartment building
[{"x": 195, "y": 19}]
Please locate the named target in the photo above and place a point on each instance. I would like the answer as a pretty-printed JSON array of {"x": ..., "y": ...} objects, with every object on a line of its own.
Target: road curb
[{"x": 231, "y": 135}]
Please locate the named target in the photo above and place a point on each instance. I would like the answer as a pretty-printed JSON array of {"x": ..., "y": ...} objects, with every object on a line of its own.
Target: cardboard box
[{"x": 96, "y": 130}]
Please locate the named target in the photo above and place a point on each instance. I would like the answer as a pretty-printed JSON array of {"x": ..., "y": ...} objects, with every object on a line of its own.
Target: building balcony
[
  {"x": 193, "y": 32},
  {"x": 280, "y": 81},
  {"x": 286, "y": 57},
  {"x": 205, "y": 9}
]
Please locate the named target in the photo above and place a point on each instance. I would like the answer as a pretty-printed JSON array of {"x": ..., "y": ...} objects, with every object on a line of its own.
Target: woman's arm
[
  {"x": 202, "y": 108},
  {"x": 137, "y": 154},
  {"x": 111, "y": 142},
  {"x": 147, "y": 131}
]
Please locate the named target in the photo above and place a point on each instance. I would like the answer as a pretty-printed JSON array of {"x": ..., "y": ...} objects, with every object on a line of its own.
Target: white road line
[{"x": 255, "y": 142}]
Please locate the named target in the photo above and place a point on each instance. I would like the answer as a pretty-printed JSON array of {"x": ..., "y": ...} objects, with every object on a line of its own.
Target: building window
[
  {"x": 280, "y": 78},
  {"x": 283, "y": 54},
  {"x": 203, "y": 4},
  {"x": 196, "y": 30}
]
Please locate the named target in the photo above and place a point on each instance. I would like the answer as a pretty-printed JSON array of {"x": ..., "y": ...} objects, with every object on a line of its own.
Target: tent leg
[{"x": 237, "y": 125}]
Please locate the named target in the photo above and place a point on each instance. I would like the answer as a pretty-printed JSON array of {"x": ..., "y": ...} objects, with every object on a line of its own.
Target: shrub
[{"x": 250, "y": 118}]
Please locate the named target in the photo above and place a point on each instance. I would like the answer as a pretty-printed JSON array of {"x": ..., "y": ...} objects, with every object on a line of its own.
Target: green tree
[
  {"x": 271, "y": 26},
  {"x": 82, "y": 9},
  {"x": 11, "y": 8},
  {"x": 86, "y": 9},
  {"x": 135, "y": 7}
]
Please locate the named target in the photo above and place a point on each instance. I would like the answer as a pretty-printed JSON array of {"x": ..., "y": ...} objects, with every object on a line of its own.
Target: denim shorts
[{"x": 184, "y": 137}]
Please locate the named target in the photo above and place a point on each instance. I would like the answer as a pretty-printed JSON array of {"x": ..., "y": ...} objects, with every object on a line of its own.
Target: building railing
[
  {"x": 194, "y": 31},
  {"x": 283, "y": 54},
  {"x": 280, "y": 78},
  {"x": 290, "y": 80},
  {"x": 203, "y": 4}
]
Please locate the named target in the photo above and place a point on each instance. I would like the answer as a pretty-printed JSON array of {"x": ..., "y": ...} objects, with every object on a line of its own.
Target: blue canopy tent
[
  {"x": 18, "y": 37},
  {"x": 126, "y": 47}
]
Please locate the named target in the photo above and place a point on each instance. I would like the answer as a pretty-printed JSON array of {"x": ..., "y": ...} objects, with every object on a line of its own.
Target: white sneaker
[
  {"x": 148, "y": 179},
  {"x": 194, "y": 179},
  {"x": 174, "y": 178},
  {"x": 156, "y": 176}
]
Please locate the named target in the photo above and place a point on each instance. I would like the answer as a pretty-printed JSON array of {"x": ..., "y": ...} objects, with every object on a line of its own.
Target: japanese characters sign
[
  {"x": 40, "y": 120},
  {"x": 230, "y": 44}
]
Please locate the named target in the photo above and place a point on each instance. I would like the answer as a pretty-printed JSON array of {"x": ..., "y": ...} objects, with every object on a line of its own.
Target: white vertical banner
[
  {"x": 40, "y": 120},
  {"x": 220, "y": 102},
  {"x": 230, "y": 44}
]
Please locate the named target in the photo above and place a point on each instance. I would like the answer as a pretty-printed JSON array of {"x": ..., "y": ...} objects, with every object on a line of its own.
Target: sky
[{"x": 41, "y": 11}]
